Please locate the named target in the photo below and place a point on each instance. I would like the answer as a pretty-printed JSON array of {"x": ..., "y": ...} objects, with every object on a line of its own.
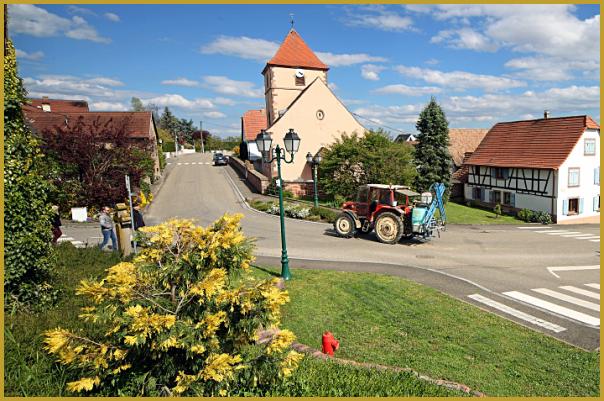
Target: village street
[{"x": 500, "y": 268}]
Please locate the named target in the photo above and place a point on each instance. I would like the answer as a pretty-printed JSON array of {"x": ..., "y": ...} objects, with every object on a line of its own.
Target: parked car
[{"x": 220, "y": 160}]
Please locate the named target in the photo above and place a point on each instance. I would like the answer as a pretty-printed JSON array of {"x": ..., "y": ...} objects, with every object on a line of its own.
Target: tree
[
  {"x": 185, "y": 317},
  {"x": 356, "y": 160},
  {"x": 95, "y": 156},
  {"x": 28, "y": 255},
  {"x": 168, "y": 121},
  {"x": 136, "y": 104},
  {"x": 432, "y": 156}
]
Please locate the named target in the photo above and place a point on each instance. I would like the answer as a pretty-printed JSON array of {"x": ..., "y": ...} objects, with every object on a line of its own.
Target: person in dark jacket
[
  {"x": 138, "y": 217},
  {"x": 56, "y": 224}
]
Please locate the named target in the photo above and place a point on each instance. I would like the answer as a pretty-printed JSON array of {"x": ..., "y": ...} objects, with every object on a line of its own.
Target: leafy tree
[
  {"x": 136, "y": 104},
  {"x": 356, "y": 160},
  {"x": 168, "y": 121},
  {"x": 432, "y": 156},
  {"x": 184, "y": 318},
  {"x": 95, "y": 155},
  {"x": 28, "y": 255}
]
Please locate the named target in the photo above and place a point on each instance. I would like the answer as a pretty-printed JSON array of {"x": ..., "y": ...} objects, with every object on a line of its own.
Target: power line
[{"x": 379, "y": 124}]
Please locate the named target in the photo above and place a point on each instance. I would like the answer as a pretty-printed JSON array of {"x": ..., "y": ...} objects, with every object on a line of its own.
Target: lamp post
[
  {"x": 292, "y": 143},
  {"x": 314, "y": 162}
]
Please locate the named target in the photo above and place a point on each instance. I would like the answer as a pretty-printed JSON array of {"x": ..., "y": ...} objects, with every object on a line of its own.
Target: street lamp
[
  {"x": 292, "y": 143},
  {"x": 314, "y": 162}
]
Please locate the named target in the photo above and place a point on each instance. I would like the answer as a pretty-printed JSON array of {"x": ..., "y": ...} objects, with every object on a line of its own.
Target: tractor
[{"x": 393, "y": 211}]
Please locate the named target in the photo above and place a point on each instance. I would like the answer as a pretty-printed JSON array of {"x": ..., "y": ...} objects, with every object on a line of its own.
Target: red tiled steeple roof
[
  {"x": 294, "y": 52},
  {"x": 543, "y": 143},
  {"x": 251, "y": 123}
]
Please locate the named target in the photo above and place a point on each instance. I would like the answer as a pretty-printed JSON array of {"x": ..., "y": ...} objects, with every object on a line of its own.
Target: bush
[
  {"x": 324, "y": 213},
  {"x": 525, "y": 215},
  {"x": 497, "y": 210},
  {"x": 181, "y": 319},
  {"x": 169, "y": 147},
  {"x": 544, "y": 218},
  {"x": 260, "y": 205}
]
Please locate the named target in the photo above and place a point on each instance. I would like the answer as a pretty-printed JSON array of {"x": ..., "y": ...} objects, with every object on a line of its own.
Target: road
[{"x": 543, "y": 277}]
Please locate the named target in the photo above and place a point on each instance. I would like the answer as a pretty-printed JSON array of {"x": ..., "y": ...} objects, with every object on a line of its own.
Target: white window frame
[
  {"x": 590, "y": 141},
  {"x": 572, "y": 170}
]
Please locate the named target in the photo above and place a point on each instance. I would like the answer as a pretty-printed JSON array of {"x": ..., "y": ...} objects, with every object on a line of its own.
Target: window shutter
[
  {"x": 506, "y": 173},
  {"x": 595, "y": 204},
  {"x": 564, "y": 207},
  {"x": 597, "y": 176},
  {"x": 512, "y": 199},
  {"x": 493, "y": 170},
  {"x": 485, "y": 195},
  {"x": 581, "y": 205}
]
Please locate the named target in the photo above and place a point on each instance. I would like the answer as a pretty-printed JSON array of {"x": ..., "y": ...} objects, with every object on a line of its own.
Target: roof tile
[
  {"x": 60, "y": 105},
  {"x": 252, "y": 122},
  {"x": 463, "y": 140},
  {"x": 294, "y": 52}
]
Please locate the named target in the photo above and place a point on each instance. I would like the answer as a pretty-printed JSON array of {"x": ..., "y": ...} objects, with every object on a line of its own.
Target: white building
[{"x": 550, "y": 165}]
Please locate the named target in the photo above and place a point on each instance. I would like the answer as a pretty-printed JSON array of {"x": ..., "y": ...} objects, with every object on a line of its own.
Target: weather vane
[{"x": 291, "y": 19}]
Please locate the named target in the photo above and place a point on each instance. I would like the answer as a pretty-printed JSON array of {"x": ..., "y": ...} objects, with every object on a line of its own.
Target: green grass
[
  {"x": 29, "y": 371},
  {"x": 392, "y": 321},
  {"x": 461, "y": 214}
]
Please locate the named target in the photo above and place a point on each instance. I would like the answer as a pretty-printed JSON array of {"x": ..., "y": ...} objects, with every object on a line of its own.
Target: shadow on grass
[{"x": 264, "y": 269}]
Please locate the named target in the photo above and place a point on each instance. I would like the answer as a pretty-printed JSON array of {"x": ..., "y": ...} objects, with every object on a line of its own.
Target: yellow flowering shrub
[{"x": 181, "y": 319}]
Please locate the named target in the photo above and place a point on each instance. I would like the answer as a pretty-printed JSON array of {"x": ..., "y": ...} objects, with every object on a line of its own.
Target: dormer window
[{"x": 45, "y": 107}]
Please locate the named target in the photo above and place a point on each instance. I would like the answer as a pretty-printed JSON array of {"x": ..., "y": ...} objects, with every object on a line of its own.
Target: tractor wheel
[
  {"x": 389, "y": 228},
  {"x": 344, "y": 225}
]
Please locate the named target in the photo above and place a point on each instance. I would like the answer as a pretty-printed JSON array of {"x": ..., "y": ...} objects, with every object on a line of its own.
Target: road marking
[
  {"x": 561, "y": 310},
  {"x": 575, "y": 235},
  {"x": 581, "y": 291},
  {"x": 563, "y": 233},
  {"x": 531, "y": 228},
  {"x": 516, "y": 313},
  {"x": 207, "y": 163},
  {"x": 567, "y": 298},
  {"x": 552, "y": 231},
  {"x": 179, "y": 163},
  {"x": 594, "y": 240},
  {"x": 570, "y": 268},
  {"x": 593, "y": 285},
  {"x": 590, "y": 237}
]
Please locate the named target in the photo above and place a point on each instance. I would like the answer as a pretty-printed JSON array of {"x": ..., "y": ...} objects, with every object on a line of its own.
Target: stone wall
[{"x": 254, "y": 179}]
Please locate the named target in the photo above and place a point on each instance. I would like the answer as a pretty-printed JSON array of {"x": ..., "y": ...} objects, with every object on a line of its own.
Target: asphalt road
[{"x": 507, "y": 270}]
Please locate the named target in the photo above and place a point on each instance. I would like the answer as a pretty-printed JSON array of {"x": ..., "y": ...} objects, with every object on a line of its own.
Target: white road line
[
  {"x": 179, "y": 163},
  {"x": 581, "y": 291},
  {"x": 516, "y": 313},
  {"x": 590, "y": 237},
  {"x": 570, "y": 268},
  {"x": 594, "y": 240},
  {"x": 561, "y": 310},
  {"x": 568, "y": 298},
  {"x": 576, "y": 235},
  {"x": 593, "y": 285},
  {"x": 563, "y": 233},
  {"x": 552, "y": 231},
  {"x": 531, "y": 228}
]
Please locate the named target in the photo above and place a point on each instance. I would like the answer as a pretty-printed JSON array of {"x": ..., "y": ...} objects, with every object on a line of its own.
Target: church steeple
[{"x": 295, "y": 53}]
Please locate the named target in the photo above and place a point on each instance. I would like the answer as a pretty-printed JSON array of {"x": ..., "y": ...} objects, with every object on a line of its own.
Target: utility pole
[{"x": 201, "y": 136}]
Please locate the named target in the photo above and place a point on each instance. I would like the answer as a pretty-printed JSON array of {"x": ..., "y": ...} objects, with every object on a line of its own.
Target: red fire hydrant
[{"x": 330, "y": 344}]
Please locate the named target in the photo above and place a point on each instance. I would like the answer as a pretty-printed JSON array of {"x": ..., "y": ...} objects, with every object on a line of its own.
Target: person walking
[
  {"x": 107, "y": 226},
  {"x": 56, "y": 224},
  {"x": 138, "y": 216}
]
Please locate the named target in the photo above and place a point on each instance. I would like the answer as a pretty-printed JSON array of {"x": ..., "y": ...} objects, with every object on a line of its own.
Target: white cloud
[
  {"x": 108, "y": 106},
  {"x": 432, "y": 61},
  {"x": 29, "y": 19},
  {"x": 214, "y": 114},
  {"x": 225, "y": 101},
  {"x": 35, "y": 56},
  {"x": 377, "y": 17},
  {"x": 175, "y": 100},
  {"x": 105, "y": 81},
  {"x": 460, "y": 80},
  {"x": 332, "y": 86},
  {"x": 371, "y": 71},
  {"x": 227, "y": 86},
  {"x": 80, "y": 10},
  {"x": 400, "y": 89},
  {"x": 72, "y": 87},
  {"x": 112, "y": 17},
  {"x": 465, "y": 38},
  {"x": 263, "y": 50},
  {"x": 180, "y": 82}
]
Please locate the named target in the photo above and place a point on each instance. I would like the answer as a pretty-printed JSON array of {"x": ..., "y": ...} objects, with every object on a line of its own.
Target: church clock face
[{"x": 320, "y": 114}]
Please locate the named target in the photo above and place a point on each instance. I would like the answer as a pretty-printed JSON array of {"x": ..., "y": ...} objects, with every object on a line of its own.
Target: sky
[{"x": 483, "y": 63}]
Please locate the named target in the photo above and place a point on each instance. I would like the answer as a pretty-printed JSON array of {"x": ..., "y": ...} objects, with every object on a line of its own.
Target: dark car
[{"x": 220, "y": 159}]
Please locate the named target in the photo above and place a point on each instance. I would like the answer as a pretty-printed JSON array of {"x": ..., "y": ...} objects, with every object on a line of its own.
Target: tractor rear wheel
[
  {"x": 344, "y": 225},
  {"x": 389, "y": 228}
]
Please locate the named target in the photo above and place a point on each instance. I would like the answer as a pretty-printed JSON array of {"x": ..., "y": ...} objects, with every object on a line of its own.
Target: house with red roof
[
  {"x": 50, "y": 114},
  {"x": 549, "y": 164},
  {"x": 297, "y": 96}
]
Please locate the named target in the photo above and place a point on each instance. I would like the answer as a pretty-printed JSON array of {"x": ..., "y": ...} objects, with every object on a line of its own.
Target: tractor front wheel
[
  {"x": 344, "y": 225},
  {"x": 389, "y": 228}
]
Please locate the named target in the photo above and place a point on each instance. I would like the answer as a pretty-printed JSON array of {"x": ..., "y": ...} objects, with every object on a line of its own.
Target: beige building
[{"x": 297, "y": 96}]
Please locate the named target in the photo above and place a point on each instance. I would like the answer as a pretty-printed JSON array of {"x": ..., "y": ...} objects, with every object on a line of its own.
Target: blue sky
[{"x": 483, "y": 63}]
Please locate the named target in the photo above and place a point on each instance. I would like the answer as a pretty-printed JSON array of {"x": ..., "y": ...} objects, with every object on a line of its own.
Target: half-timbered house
[{"x": 549, "y": 164}]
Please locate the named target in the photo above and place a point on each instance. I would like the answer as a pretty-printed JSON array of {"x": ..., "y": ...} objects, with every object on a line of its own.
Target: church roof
[{"x": 294, "y": 52}]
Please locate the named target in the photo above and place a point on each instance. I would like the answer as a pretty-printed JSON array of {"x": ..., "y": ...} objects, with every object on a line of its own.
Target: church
[{"x": 297, "y": 96}]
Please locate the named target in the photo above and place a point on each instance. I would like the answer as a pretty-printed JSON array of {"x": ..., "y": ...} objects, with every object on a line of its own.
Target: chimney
[
  {"x": 546, "y": 114},
  {"x": 45, "y": 104}
]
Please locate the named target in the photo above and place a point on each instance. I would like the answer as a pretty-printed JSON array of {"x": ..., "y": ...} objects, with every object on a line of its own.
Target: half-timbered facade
[{"x": 550, "y": 165}]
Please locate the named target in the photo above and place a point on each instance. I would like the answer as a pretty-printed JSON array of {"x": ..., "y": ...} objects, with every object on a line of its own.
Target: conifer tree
[{"x": 432, "y": 157}]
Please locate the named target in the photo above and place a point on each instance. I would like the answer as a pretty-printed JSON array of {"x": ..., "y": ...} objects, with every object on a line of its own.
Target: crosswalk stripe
[
  {"x": 575, "y": 235},
  {"x": 516, "y": 313},
  {"x": 561, "y": 310},
  {"x": 581, "y": 291},
  {"x": 594, "y": 240},
  {"x": 531, "y": 228},
  {"x": 552, "y": 231},
  {"x": 593, "y": 285},
  {"x": 568, "y": 298},
  {"x": 590, "y": 237},
  {"x": 562, "y": 233}
]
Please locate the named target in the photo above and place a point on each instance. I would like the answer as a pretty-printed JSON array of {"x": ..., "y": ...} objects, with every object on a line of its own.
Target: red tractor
[{"x": 393, "y": 211}]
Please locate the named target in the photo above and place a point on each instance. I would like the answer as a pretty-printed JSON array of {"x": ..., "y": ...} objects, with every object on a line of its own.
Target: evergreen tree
[
  {"x": 28, "y": 254},
  {"x": 168, "y": 121},
  {"x": 136, "y": 104},
  {"x": 432, "y": 157}
]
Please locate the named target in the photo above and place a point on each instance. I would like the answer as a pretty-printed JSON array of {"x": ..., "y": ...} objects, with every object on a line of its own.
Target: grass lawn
[
  {"x": 391, "y": 321},
  {"x": 29, "y": 371},
  {"x": 461, "y": 214}
]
